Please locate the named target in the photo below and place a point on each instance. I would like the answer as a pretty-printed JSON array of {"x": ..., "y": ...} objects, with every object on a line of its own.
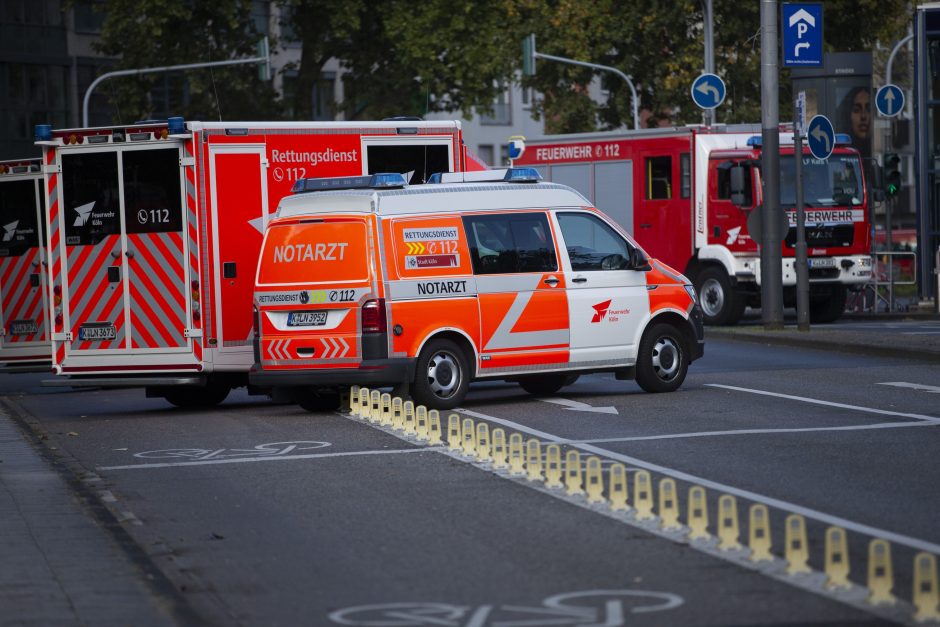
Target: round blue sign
[
  {"x": 889, "y": 100},
  {"x": 708, "y": 91},
  {"x": 820, "y": 137}
]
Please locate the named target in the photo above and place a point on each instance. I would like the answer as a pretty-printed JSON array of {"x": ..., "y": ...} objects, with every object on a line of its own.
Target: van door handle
[
  {"x": 646, "y": 226},
  {"x": 551, "y": 281},
  {"x": 579, "y": 279}
]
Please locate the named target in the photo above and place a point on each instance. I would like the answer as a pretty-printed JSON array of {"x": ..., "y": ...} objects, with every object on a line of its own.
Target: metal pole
[
  {"x": 597, "y": 66},
  {"x": 802, "y": 267},
  {"x": 708, "y": 18},
  {"x": 888, "y": 202},
  {"x": 771, "y": 262},
  {"x": 167, "y": 68}
]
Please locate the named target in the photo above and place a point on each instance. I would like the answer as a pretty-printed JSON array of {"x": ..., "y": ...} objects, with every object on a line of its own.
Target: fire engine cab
[
  {"x": 486, "y": 275},
  {"x": 154, "y": 234},
  {"x": 24, "y": 339},
  {"x": 692, "y": 197}
]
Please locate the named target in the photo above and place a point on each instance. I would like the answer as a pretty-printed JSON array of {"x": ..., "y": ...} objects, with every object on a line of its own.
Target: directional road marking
[
  {"x": 933, "y": 389},
  {"x": 579, "y": 406}
]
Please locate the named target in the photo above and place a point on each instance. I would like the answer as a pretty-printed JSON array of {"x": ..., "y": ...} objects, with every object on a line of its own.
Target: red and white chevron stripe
[
  {"x": 334, "y": 348},
  {"x": 278, "y": 349}
]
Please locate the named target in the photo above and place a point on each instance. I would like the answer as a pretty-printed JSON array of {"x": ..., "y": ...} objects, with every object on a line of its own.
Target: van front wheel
[
  {"x": 663, "y": 359},
  {"x": 441, "y": 375}
]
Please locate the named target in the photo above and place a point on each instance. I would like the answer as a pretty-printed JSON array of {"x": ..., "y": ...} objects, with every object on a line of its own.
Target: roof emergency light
[
  {"x": 385, "y": 180},
  {"x": 43, "y": 133},
  {"x": 176, "y": 126},
  {"x": 506, "y": 175}
]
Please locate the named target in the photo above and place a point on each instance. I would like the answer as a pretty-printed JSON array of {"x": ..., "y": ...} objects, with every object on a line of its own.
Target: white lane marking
[
  {"x": 579, "y": 406},
  {"x": 246, "y": 460},
  {"x": 920, "y": 333},
  {"x": 816, "y": 401},
  {"x": 897, "y": 538},
  {"x": 933, "y": 389}
]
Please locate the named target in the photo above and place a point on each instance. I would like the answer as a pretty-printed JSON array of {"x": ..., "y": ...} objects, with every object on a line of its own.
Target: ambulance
[
  {"x": 485, "y": 275},
  {"x": 154, "y": 232},
  {"x": 24, "y": 338},
  {"x": 692, "y": 197}
]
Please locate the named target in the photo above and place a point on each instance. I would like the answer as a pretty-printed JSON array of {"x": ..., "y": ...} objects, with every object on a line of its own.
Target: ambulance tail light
[{"x": 373, "y": 316}]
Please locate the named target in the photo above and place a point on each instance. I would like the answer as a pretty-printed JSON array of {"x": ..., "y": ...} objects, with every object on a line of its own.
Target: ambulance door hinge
[
  {"x": 62, "y": 337},
  {"x": 188, "y": 162},
  {"x": 193, "y": 333},
  {"x": 54, "y": 168},
  {"x": 264, "y": 163}
]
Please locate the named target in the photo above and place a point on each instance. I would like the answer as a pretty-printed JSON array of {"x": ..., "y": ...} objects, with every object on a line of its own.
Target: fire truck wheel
[
  {"x": 663, "y": 359},
  {"x": 441, "y": 375},
  {"x": 546, "y": 384},
  {"x": 720, "y": 303},
  {"x": 828, "y": 308},
  {"x": 196, "y": 397}
]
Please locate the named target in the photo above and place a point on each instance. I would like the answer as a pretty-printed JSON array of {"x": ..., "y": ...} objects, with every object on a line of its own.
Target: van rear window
[{"x": 315, "y": 252}]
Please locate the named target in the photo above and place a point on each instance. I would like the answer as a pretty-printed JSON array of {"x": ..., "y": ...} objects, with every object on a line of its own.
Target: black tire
[
  {"x": 546, "y": 384},
  {"x": 720, "y": 302},
  {"x": 663, "y": 359},
  {"x": 186, "y": 397},
  {"x": 828, "y": 308},
  {"x": 442, "y": 375},
  {"x": 319, "y": 402}
]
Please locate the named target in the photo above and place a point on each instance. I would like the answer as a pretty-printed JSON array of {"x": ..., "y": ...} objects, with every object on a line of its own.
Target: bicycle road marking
[
  {"x": 270, "y": 449},
  {"x": 246, "y": 460}
]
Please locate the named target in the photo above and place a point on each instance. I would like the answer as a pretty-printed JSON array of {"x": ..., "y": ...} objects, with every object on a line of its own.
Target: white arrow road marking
[
  {"x": 933, "y": 389},
  {"x": 822, "y": 136},
  {"x": 579, "y": 406},
  {"x": 804, "y": 15},
  {"x": 707, "y": 87}
]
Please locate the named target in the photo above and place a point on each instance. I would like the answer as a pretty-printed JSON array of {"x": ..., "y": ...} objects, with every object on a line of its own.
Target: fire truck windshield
[{"x": 831, "y": 183}]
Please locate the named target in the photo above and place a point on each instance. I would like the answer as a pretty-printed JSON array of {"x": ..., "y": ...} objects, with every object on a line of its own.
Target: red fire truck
[
  {"x": 154, "y": 232},
  {"x": 672, "y": 189},
  {"x": 24, "y": 339}
]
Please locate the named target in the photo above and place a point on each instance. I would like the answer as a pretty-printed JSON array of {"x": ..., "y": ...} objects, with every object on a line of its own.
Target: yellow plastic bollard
[
  {"x": 408, "y": 422},
  {"x": 469, "y": 444},
  {"x": 617, "y": 487},
  {"x": 759, "y": 533},
  {"x": 880, "y": 573},
  {"x": 926, "y": 595},
  {"x": 668, "y": 504},
  {"x": 434, "y": 428},
  {"x": 728, "y": 529},
  {"x": 533, "y": 460},
  {"x": 421, "y": 423},
  {"x": 698, "y": 513},
  {"x": 499, "y": 448},
  {"x": 386, "y": 415},
  {"x": 454, "y": 436},
  {"x": 553, "y": 466},
  {"x": 516, "y": 455},
  {"x": 398, "y": 414},
  {"x": 837, "y": 558},
  {"x": 354, "y": 400},
  {"x": 796, "y": 552},
  {"x": 375, "y": 406},
  {"x": 483, "y": 442},
  {"x": 364, "y": 410},
  {"x": 643, "y": 495},
  {"x": 573, "y": 485},
  {"x": 594, "y": 480}
]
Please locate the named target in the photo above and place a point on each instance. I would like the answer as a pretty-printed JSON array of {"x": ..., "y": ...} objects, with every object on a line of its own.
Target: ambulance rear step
[{"x": 120, "y": 382}]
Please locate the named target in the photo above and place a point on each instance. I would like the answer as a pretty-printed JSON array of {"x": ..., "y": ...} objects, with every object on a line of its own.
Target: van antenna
[
  {"x": 218, "y": 103},
  {"x": 427, "y": 107}
]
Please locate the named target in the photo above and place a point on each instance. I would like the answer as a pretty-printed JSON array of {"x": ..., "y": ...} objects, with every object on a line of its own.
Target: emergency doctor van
[{"x": 486, "y": 275}]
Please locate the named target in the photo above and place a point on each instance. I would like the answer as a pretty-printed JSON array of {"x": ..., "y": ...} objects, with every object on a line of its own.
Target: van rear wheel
[
  {"x": 663, "y": 359},
  {"x": 442, "y": 375}
]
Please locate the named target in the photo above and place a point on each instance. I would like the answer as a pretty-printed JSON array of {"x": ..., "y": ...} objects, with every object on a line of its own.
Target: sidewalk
[{"x": 58, "y": 565}]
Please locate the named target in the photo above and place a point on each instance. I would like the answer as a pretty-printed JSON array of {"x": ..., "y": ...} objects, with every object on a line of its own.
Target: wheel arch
[
  {"x": 459, "y": 337},
  {"x": 674, "y": 318}
]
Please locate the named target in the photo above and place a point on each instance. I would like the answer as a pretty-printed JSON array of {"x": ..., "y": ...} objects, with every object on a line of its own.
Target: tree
[{"x": 154, "y": 33}]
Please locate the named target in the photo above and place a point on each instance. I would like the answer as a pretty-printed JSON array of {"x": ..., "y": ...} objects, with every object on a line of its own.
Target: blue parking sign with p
[{"x": 802, "y": 25}]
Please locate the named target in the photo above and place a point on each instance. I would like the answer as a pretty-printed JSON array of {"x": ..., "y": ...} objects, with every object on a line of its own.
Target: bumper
[
  {"x": 697, "y": 320},
  {"x": 371, "y": 372}
]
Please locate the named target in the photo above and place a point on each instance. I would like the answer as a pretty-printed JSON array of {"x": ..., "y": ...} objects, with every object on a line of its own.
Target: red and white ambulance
[
  {"x": 154, "y": 233},
  {"x": 487, "y": 275},
  {"x": 24, "y": 339},
  {"x": 671, "y": 188}
]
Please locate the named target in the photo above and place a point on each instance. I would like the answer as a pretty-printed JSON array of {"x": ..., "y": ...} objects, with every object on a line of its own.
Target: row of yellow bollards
[{"x": 526, "y": 459}]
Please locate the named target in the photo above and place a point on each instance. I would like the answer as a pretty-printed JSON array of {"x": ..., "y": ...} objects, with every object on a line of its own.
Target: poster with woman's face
[{"x": 853, "y": 114}]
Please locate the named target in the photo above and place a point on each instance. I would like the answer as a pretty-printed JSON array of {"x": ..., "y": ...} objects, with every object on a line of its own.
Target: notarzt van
[{"x": 487, "y": 275}]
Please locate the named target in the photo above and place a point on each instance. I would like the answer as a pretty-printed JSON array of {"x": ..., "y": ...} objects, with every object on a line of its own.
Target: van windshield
[
  {"x": 834, "y": 182},
  {"x": 315, "y": 252}
]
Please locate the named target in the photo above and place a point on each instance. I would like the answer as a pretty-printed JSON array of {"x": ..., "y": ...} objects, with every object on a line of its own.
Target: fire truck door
[{"x": 663, "y": 213}]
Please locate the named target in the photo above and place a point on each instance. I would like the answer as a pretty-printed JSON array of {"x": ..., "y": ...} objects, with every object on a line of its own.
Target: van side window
[
  {"x": 658, "y": 178},
  {"x": 506, "y": 244},
  {"x": 592, "y": 244}
]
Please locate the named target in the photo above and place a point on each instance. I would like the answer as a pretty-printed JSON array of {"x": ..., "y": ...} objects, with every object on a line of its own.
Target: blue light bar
[
  {"x": 522, "y": 175},
  {"x": 391, "y": 180},
  {"x": 434, "y": 178},
  {"x": 843, "y": 139},
  {"x": 175, "y": 126},
  {"x": 755, "y": 140},
  {"x": 43, "y": 133}
]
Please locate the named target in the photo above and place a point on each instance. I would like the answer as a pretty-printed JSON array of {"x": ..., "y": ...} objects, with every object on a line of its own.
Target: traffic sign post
[
  {"x": 802, "y": 25},
  {"x": 889, "y": 100},
  {"x": 802, "y": 265},
  {"x": 820, "y": 137},
  {"x": 708, "y": 91}
]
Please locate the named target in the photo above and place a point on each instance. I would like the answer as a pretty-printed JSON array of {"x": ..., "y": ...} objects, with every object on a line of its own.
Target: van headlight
[{"x": 690, "y": 289}]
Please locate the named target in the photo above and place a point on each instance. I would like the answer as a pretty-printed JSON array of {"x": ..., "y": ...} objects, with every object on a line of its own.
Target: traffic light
[
  {"x": 528, "y": 56},
  {"x": 892, "y": 168}
]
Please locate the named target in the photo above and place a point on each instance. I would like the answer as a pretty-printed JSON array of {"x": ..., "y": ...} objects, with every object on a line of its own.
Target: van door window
[
  {"x": 90, "y": 190},
  {"x": 658, "y": 178},
  {"x": 501, "y": 244},
  {"x": 152, "y": 191},
  {"x": 592, "y": 244}
]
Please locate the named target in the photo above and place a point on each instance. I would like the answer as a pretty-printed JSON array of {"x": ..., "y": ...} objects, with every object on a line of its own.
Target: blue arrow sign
[
  {"x": 802, "y": 34},
  {"x": 889, "y": 100},
  {"x": 820, "y": 136},
  {"x": 708, "y": 91}
]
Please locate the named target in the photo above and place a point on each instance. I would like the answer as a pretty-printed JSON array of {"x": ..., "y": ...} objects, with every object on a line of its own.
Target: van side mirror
[
  {"x": 638, "y": 261},
  {"x": 739, "y": 195}
]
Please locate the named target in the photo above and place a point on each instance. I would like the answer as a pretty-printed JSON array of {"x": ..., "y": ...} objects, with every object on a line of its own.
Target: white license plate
[
  {"x": 822, "y": 263},
  {"x": 23, "y": 327},
  {"x": 96, "y": 332},
  {"x": 306, "y": 319}
]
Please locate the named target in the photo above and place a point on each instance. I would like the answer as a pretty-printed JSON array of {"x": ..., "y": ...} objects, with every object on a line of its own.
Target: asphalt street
[{"x": 264, "y": 514}]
